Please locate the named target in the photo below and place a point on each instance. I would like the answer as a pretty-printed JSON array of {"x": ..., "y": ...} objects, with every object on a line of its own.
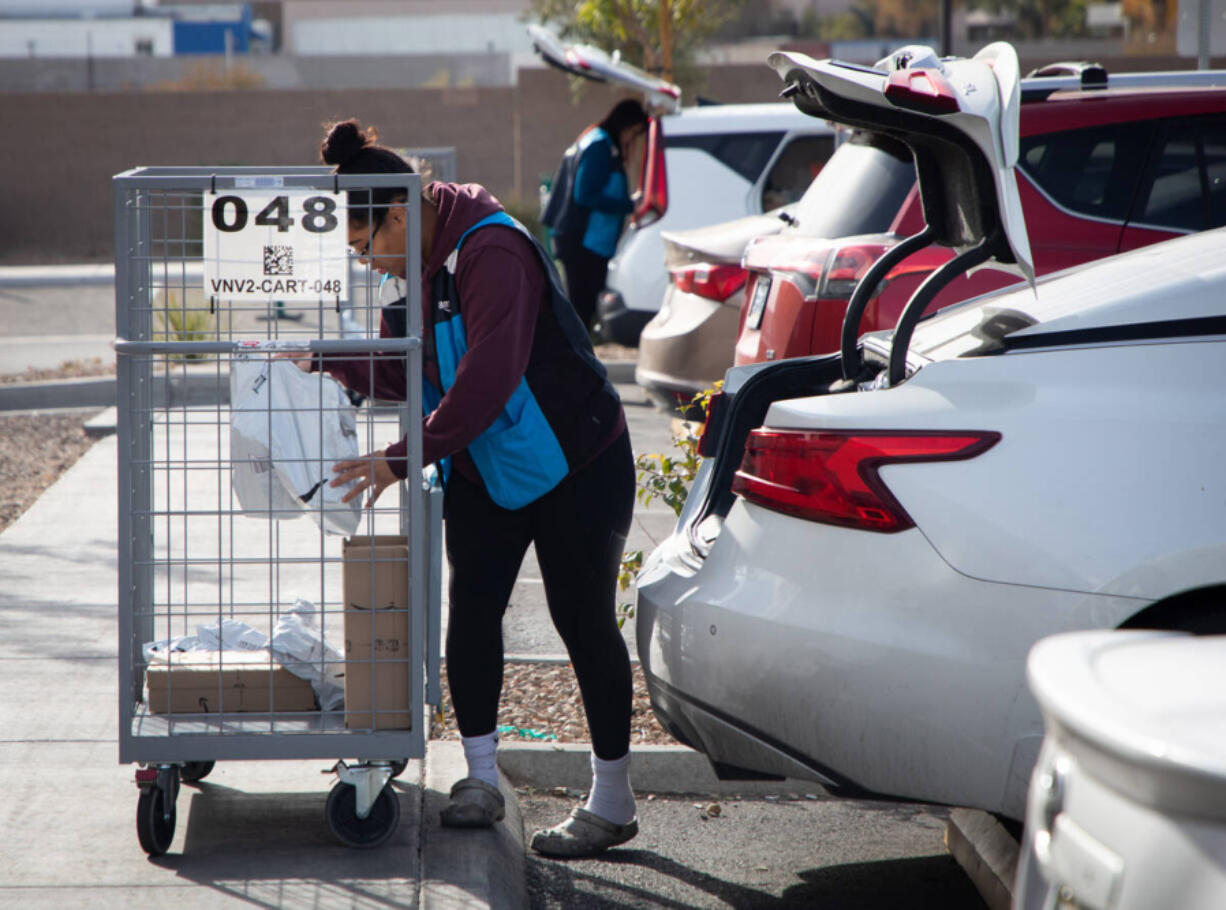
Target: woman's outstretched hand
[
  {"x": 300, "y": 361},
  {"x": 372, "y": 472}
]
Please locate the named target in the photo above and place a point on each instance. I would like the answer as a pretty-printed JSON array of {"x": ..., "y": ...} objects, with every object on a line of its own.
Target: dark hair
[
  {"x": 625, "y": 113},
  {"x": 353, "y": 150}
]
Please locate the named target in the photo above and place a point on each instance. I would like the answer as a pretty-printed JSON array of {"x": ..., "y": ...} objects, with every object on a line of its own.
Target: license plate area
[{"x": 757, "y": 305}]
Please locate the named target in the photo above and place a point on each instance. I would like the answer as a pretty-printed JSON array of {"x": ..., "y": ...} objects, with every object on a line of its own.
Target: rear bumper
[
  {"x": 687, "y": 347},
  {"x": 788, "y": 650},
  {"x": 617, "y": 323},
  {"x": 668, "y": 394}
]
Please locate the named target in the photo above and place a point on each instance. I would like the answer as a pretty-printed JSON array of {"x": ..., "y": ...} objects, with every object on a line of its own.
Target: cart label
[{"x": 266, "y": 245}]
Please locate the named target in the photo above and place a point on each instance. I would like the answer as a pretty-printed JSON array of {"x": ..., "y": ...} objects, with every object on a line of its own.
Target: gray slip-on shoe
[
  {"x": 474, "y": 804},
  {"x": 582, "y": 834}
]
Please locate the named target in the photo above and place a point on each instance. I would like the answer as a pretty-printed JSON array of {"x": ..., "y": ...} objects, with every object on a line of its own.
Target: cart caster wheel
[
  {"x": 362, "y": 832},
  {"x": 398, "y": 766},
  {"x": 154, "y": 827},
  {"x": 193, "y": 771}
]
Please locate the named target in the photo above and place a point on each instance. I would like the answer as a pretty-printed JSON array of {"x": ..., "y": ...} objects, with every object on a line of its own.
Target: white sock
[
  {"x": 480, "y": 752},
  {"x": 611, "y": 797}
]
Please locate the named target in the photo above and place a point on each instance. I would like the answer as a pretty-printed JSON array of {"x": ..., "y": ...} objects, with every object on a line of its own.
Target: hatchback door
[
  {"x": 960, "y": 119},
  {"x": 592, "y": 63}
]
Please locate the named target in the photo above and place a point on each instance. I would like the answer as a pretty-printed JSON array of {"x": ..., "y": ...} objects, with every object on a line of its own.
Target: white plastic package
[
  {"x": 300, "y": 647},
  {"x": 287, "y": 429}
]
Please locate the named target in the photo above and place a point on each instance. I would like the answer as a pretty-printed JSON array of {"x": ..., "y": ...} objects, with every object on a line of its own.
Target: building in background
[{"x": 65, "y": 29}]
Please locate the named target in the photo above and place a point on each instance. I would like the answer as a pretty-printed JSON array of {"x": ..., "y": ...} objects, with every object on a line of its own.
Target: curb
[
  {"x": 72, "y": 275},
  {"x": 186, "y": 389},
  {"x": 620, "y": 371},
  {"x": 182, "y": 390},
  {"x": 102, "y": 424},
  {"x": 669, "y": 770},
  {"x": 468, "y": 868},
  {"x": 987, "y": 853},
  {"x": 57, "y": 393}
]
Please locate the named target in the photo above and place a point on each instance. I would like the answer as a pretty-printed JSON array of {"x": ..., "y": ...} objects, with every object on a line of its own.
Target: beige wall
[
  {"x": 61, "y": 150},
  {"x": 56, "y": 180}
]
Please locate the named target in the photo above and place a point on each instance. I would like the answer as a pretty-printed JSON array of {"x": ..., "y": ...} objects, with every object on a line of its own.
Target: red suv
[{"x": 1103, "y": 168}]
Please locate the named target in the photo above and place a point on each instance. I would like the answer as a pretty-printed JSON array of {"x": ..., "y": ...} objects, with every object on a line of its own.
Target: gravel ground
[
  {"x": 69, "y": 369},
  {"x": 539, "y": 701},
  {"x": 34, "y": 450}
]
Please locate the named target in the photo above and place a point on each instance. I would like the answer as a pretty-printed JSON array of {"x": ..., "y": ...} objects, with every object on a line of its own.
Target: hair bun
[{"x": 344, "y": 141}]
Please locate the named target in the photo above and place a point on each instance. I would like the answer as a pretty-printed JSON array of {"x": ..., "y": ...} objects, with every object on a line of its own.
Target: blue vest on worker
[
  {"x": 518, "y": 456},
  {"x": 604, "y": 227},
  {"x": 575, "y": 224}
]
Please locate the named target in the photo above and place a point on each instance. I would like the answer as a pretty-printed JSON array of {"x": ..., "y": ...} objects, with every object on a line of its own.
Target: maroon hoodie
[{"x": 505, "y": 298}]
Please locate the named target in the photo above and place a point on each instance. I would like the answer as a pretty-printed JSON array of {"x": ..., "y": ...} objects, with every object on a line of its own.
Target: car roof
[
  {"x": 1070, "y": 109},
  {"x": 738, "y": 118},
  {"x": 1169, "y": 282}
]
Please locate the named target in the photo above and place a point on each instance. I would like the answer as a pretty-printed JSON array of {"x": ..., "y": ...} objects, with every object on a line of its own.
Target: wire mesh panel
[{"x": 261, "y": 616}]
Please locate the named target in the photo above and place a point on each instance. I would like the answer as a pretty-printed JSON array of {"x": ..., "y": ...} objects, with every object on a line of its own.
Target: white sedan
[{"x": 855, "y": 604}]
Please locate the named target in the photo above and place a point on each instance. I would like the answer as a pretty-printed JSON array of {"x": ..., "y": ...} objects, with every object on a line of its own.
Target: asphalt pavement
[{"x": 254, "y": 833}]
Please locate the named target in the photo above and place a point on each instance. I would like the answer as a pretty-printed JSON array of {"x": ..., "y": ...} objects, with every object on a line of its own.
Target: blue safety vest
[{"x": 518, "y": 456}]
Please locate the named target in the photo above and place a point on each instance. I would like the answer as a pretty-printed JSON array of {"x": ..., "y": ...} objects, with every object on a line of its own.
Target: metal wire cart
[{"x": 259, "y": 616}]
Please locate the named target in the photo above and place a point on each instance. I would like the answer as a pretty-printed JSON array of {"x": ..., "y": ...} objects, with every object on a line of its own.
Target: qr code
[{"x": 278, "y": 260}]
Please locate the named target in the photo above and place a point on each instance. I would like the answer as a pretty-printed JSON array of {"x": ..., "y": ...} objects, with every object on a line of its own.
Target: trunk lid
[
  {"x": 592, "y": 63},
  {"x": 721, "y": 243}
]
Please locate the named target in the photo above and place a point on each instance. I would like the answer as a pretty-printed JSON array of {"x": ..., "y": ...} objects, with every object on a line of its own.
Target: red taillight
[
  {"x": 803, "y": 269},
  {"x": 820, "y": 274},
  {"x": 832, "y": 476},
  {"x": 653, "y": 201},
  {"x": 715, "y": 282},
  {"x": 846, "y": 267},
  {"x": 924, "y": 90},
  {"x": 574, "y": 59}
]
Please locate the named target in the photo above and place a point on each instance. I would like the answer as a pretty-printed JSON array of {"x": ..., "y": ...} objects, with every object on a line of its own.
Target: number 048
[{"x": 318, "y": 214}]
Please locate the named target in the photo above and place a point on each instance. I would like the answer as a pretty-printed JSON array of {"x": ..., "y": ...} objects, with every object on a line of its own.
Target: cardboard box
[
  {"x": 211, "y": 682},
  {"x": 376, "y": 591}
]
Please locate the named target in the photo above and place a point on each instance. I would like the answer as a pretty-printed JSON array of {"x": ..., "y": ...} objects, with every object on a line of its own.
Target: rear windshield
[
  {"x": 745, "y": 153},
  {"x": 859, "y": 191}
]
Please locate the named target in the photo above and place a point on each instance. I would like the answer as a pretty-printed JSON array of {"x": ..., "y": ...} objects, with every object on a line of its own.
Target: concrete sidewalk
[{"x": 251, "y": 832}]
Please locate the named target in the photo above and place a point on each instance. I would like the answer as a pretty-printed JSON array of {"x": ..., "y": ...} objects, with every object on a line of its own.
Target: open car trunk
[
  {"x": 592, "y": 63},
  {"x": 959, "y": 119}
]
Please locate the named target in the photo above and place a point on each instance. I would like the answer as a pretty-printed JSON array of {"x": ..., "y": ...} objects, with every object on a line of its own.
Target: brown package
[
  {"x": 376, "y": 590},
  {"x": 211, "y": 682}
]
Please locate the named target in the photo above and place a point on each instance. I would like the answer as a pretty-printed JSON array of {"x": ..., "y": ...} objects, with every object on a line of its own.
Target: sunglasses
[{"x": 364, "y": 252}]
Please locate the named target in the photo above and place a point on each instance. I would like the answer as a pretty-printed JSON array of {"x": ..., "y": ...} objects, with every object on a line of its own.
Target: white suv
[{"x": 702, "y": 165}]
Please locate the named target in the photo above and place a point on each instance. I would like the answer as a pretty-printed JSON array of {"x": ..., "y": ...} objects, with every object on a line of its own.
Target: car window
[
  {"x": 1189, "y": 187},
  {"x": 800, "y": 161},
  {"x": 745, "y": 153},
  {"x": 1091, "y": 171},
  {"x": 859, "y": 191}
]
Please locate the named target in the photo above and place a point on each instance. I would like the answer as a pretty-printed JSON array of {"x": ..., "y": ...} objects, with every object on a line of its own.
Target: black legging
[
  {"x": 579, "y": 530},
  {"x": 585, "y": 277}
]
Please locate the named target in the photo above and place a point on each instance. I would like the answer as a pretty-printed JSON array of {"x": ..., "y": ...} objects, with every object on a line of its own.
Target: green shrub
[
  {"x": 177, "y": 321},
  {"x": 668, "y": 478}
]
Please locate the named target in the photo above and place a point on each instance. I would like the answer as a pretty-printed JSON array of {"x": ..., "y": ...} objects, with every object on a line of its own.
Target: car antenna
[{"x": 849, "y": 350}]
